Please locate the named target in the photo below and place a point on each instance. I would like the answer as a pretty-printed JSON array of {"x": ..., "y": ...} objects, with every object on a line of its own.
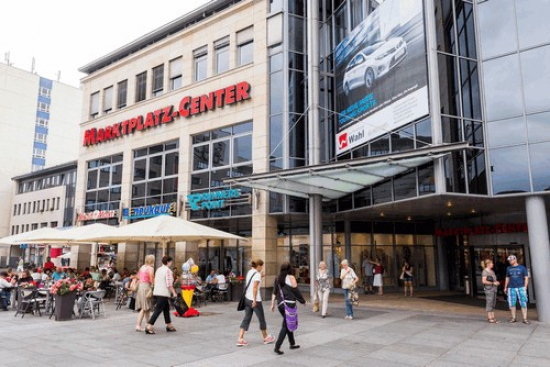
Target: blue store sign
[
  {"x": 212, "y": 200},
  {"x": 149, "y": 211}
]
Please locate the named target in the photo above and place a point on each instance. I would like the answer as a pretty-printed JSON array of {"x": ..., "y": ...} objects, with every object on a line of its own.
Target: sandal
[
  {"x": 149, "y": 331},
  {"x": 493, "y": 321},
  {"x": 139, "y": 328},
  {"x": 526, "y": 321},
  {"x": 511, "y": 321}
]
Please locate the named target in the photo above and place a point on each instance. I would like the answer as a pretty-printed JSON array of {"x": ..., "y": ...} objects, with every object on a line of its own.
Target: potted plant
[
  {"x": 64, "y": 291},
  {"x": 236, "y": 287}
]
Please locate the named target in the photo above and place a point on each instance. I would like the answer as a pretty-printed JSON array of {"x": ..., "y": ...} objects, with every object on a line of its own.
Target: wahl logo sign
[{"x": 348, "y": 140}]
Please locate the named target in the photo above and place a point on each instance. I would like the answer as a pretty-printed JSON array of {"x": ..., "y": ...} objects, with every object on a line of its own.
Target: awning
[{"x": 336, "y": 180}]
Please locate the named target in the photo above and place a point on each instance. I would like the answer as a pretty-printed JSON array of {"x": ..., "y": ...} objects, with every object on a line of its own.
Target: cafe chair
[
  {"x": 93, "y": 302},
  {"x": 28, "y": 302}
]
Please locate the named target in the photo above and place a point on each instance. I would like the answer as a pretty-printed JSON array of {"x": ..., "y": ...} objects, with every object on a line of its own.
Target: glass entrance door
[{"x": 498, "y": 254}]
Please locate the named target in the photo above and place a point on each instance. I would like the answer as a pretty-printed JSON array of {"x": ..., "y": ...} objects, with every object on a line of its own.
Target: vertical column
[
  {"x": 539, "y": 246},
  {"x": 347, "y": 240},
  {"x": 442, "y": 269}
]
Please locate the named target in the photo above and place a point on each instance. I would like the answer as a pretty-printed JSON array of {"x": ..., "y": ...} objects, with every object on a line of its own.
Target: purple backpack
[{"x": 291, "y": 314}]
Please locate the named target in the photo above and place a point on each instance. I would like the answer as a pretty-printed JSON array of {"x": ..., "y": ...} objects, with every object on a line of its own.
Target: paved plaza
[{"x": 387, "y": 331}]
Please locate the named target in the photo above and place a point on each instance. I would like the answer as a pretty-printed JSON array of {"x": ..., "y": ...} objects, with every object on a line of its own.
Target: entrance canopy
[{"x": 336, "y": 180}]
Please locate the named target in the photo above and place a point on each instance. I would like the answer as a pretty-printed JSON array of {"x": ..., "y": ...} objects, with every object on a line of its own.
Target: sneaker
[
  {"x": 346, "y": 318},
  {"x": 242, "y": 343},
  {"x": 350, "y": 317},
  {"x": 269, "y": 339}
]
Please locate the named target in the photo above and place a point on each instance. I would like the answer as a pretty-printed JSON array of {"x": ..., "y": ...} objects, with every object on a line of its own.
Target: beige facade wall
[{"x": 205, "y": 33}]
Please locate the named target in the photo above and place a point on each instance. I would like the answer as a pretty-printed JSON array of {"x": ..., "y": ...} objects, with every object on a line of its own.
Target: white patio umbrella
[
  {"x": 163, "y": 229},
  {"x": 17, "y": 239},
  {"x": 65, "y": 256},
  {"x": 68, "y": 236}
]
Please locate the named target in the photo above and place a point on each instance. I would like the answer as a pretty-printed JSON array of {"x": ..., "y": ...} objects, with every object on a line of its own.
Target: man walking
[
  {"x": 517, "y": 280},
  {"x": 368, "y": 275}
]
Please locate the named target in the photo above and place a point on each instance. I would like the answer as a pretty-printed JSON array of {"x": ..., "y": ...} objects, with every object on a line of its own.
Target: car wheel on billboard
[{"x": 369, "y": 78}]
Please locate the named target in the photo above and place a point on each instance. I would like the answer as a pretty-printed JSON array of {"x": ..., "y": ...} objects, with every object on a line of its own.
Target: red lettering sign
[
  {"x": 480, "y": 230},
  {"x": 188, "y": 106}
]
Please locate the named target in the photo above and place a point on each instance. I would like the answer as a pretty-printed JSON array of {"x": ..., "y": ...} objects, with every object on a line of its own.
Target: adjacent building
[{"x": 430, "y": 136}]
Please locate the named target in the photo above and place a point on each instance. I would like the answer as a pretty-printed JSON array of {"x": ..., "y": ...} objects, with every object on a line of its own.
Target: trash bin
[{"x": 467, "y": 285}]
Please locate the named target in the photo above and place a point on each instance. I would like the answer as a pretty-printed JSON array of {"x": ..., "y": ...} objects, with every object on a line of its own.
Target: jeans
[
  {"x": 5, "y": 295},
  {"x": 162, "y": 305},
  {"x": 248, "y": 310},
  {"x": 284, "y": 330},
  {"x": 349, "y": 307},
  {"x": 323, "y": 300}
]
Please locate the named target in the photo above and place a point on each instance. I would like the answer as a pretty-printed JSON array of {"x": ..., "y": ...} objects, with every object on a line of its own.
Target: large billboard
[{"x": 381, "y": 74}]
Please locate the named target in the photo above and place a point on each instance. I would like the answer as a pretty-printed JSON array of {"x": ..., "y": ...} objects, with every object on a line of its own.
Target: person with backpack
[
  {"x": 286, "y": 293},
  {"x": 378, "y": 276}
]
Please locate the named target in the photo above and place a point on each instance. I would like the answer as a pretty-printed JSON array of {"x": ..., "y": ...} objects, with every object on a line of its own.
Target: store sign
[
  {"x": 481, "y": 230},
  {"x": 212, "y": 200},
  {"x": 149, "y": 211},
  {"x": 381, "y": 74},
  {"x": 188, "y": 106},
  {"x": 95, "y": 215}
]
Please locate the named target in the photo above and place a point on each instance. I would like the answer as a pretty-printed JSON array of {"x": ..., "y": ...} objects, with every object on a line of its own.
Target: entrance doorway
[{"x": 499, "y": 254}]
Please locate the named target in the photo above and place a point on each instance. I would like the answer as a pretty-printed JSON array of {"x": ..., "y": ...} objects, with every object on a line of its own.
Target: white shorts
[{"x": 378, "y": 280}]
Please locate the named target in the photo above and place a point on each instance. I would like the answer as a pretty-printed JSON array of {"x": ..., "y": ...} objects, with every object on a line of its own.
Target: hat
[{"x": 511, "y": 257}]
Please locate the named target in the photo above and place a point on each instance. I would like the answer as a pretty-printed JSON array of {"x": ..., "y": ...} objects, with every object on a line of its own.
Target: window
[
  {"x": 45, "y": 92},
  {"x": 122, "y": 92},
  {"x": 245, "y": 46},
  {"x": 141, "y": 86},
  {"x": 201, "y": 59},
  {"x": 108, "y": 99},
  {"x": 40, "y": 138},
  {"x": 158, "y": 80},
  {"x": 43, "y": 107},
  {"x": 39, "y": 153},
  {"x": 176, "y": 67},
  {"x": 41, "y": 122},
  {"x": 36, "y": 167},
  {"x": 94, "y": 105},
  {"x": 103, "y": 184},
  {"x": 58, "y": 200},
  {"x": 222, "y": 55}
]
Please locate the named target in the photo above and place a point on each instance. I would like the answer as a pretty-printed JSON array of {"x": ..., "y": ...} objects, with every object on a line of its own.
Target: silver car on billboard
[{"x": 374, "y": 62}]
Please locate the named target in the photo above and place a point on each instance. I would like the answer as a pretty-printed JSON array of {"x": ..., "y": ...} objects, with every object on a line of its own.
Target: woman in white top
[
  {"x": 323, "y": 287},
  {"x": 253, "y": 303},
  {"x": 162, "y": 290},
  {"x": 349, "y": 279}
]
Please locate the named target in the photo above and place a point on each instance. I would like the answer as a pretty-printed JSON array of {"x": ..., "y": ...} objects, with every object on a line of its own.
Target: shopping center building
[{"x": 420, "y": 129}]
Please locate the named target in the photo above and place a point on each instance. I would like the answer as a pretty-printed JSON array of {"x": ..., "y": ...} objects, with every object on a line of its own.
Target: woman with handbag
[
  {"x": 349, "y": 280},
  {"x": 144, "y": 304},
  {"x": 163, "y": 290},
  {"x": 286, "y": 293},
  {"x": 490, "y": 285},
  {"x": 323, "y": 287},
  {"x": 407, "y": 277},
  {"x": 253, "y": 303}
]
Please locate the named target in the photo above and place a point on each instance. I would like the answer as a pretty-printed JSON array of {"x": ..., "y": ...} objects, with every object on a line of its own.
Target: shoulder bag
[
  {"x": 291, "y": 313},
  {"x": 241, "y": 305}
]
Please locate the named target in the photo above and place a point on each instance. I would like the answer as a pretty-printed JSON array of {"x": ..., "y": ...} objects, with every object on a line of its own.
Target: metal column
[
  {"x": 314, "y": 145},
  {"x": 539, "y": 246}
]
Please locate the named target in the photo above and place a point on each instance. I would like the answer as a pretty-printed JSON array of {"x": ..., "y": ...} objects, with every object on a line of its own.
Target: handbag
[
  {"x": 134, "y": 286},
  {"x": 291, "y": 314},
  {"x": 402, "y": 276},
  {"x": 149, "y": 294},
  {"x": 241, "y": 306},
  {"x": 354, "y": 295},
  {"x": 316, "y": 304}
]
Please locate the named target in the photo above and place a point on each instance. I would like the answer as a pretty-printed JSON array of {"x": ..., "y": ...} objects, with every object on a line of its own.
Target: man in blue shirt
[{"x": 517, "y": 280}]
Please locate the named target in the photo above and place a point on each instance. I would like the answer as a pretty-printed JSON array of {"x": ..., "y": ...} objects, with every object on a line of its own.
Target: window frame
[
  {"x": 141, "y": 87},
  {"x": 157, "y": 82}
]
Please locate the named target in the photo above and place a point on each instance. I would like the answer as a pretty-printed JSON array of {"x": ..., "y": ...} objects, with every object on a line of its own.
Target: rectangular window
[
  {"x": 40, "y": 138},
  {"x": 176, "y": 72},
  {"x": 45, "y": 92},
  {"x": 53, "y": 224},
  {"x": 43, "y": 107},
  {"x": 141, "y": 86},
  {"x": 108, "y": 99},
  {"x": 58, "y": 200},
  {"x": 158, "y": 80},
  {"x": 41, "y": 122},
  {"x": 221, "y": 48},
  {"x": 94, "y": 105},
  {"x": 39, "y": 153},
  {"x": 122, "y": 92},
  {"x": 245, "y": 46},
  {"x": 200, "y": 57},
  {"x": 14, "y": 209},
  {"x": 24, "y": 208}
]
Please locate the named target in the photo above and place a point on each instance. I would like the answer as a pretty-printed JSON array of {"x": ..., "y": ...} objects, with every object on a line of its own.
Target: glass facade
[{"x": 103, "y": 185}]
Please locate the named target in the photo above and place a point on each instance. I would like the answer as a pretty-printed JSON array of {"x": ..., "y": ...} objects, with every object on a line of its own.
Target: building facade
[
  {"x": 39, "y": 120},
  {"x": 431, "y": 135},
  {"x": 43, "y": 198}
]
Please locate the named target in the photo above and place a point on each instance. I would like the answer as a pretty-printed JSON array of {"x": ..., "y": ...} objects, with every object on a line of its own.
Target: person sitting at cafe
[
  {"x": 46, "y": 275},
  {"x": 25, "y": 278},
  {"x": 85, "y": 273},
  {"x": 116, "y": 275},
  {"x": 71, "y": 274},
  {"x": 58, "y": 274},
  {"x": 89, "y": 284},
  {"x": 49, "y": 264},
  {"x": 95, "y": 274},
  {"x": 36, "y": 275},
  {"x": 5, "y": 290},
  {"x": 211, "y": 282},
  {"x": 126, "y": 282},
  {"x": 125, "y": 273}
]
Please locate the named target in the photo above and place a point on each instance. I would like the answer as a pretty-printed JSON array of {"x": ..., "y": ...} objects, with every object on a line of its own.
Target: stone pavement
[{"x": 395, "y": 336}]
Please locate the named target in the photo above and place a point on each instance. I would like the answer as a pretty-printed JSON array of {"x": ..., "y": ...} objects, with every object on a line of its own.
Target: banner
[{"x": 381, "y": 74}]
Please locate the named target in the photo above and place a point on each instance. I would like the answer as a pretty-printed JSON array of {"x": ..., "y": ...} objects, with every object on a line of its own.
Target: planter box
[
  {"x": 64, "y": 306},
  {"x": 236, "y": 290}
]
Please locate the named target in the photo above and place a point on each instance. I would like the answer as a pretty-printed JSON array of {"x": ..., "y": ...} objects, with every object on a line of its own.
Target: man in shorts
[
  {"x": 517, "y": 280},
  {"x": 368, "y": 276}
]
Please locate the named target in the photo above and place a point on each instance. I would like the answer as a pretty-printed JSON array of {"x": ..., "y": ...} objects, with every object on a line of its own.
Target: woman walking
[
  {"x": 490, "y": 285},
  {"x": 378, "y": 280},
  {"x": 323, "y": 287},
  {"x": 349, "y": 279},
  {"x": 407, "y": 272},
  {"x": 163, "y": 289},
  {"x": 285, "y": 291},
  {"x": 253, "y": 303},
  {"x": 146, "y": 276}
]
